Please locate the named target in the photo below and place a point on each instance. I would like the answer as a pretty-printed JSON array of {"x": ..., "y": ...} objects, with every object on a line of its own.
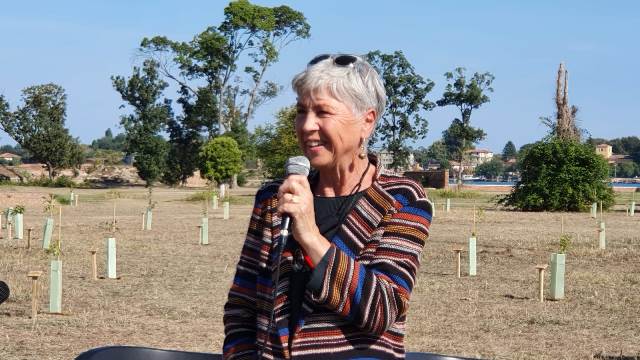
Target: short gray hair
[{"x": 357, "y": 84}]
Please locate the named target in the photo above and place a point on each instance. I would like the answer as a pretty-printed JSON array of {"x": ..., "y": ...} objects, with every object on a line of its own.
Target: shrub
[
  {"x": 242, "y": 179},
  {"x": 454, "y": 194},
  {"x": 63, "y": 181},
  {"x": 62, "y": 199},
  {"x": 200, "y": 196},
  {"x": 560, "y": 175}
]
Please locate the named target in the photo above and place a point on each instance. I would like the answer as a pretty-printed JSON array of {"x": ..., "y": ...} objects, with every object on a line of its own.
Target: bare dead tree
[{"x": 566, "y": 127}]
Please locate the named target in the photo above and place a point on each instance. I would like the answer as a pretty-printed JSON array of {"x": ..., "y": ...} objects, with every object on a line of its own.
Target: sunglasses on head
[{"x": 340, "y": 60}]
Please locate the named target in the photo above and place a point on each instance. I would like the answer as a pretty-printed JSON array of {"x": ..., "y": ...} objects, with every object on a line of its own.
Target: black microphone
[{"x": 297, "y": 165}]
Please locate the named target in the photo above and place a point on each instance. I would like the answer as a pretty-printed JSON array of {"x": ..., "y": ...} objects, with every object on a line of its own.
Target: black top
[{"x": 330, "y": 214}]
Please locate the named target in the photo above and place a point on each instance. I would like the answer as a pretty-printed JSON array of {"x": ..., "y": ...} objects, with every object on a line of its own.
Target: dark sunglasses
[{"x": 340, "y": 60}]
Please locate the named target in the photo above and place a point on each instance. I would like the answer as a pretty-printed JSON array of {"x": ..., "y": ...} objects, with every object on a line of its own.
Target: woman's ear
[{"x": 369, "y": 123}]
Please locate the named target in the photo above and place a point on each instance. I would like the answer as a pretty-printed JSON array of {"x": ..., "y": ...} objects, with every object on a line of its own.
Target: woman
[{"x": 346, "y": 277}]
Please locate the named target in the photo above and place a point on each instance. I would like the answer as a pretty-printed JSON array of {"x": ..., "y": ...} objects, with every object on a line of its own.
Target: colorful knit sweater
[{"x": 360, "y": 310}]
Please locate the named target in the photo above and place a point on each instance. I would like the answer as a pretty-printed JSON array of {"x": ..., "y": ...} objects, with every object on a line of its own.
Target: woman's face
[{"x": 328, "y": 132}]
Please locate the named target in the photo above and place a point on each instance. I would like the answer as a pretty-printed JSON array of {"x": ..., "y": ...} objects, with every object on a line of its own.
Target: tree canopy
[
  {"x": 404, "y": 118},
  {"x": 275, "y": 143},
  {"x": 221, "y": 75},
  {"x": 110, "y": 142},
  {"x": 466, "y": 95},
  {"x": 490, "y": 169},
  {"x": 560, "y": 175},
  {"x": 39, "y": 127},
  {"x": 143, "y": 92},
  {"x": 509, "y": 151},
  {"x": 220, "y": 159}
]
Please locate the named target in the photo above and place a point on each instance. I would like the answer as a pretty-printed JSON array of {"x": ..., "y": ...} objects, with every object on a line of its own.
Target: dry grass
[{"x": 171, "y": 290}]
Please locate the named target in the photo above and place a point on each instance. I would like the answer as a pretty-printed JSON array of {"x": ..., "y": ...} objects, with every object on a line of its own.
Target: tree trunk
[
  {"x": 50, "y": 170},
  {"x": 234, "y": 182}
]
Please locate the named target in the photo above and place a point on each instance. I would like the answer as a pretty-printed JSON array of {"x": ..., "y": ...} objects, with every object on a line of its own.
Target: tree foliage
[
  {"x": 404, "y": 117},
  {"x": 509, "y": 151},
  {"x": 275, "y": 143},
  {"x": 560, "y": 175},
  {"x": 143, "y": 92},
  {"x": 466, "y": 95},
  {"x": 490, "y": 169},
  {"x": 110, "y": 142},
  {"x": 220, "y": 159},
  {"x": 38, "y": 126},
  {"x": 221, "y": 77}
]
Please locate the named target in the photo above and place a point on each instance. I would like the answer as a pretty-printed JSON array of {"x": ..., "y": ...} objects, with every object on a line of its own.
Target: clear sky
[{"x": 80, "y": 44}]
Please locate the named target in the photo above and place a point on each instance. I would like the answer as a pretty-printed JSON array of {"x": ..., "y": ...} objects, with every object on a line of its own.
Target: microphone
[{"x": 297, "y": 165}]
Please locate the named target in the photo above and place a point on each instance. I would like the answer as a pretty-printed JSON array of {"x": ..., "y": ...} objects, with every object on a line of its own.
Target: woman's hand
[{"x": 296, "y": 200}]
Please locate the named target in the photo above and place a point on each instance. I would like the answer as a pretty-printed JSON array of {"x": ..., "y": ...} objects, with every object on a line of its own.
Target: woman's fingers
[{"x": 294, "y": 196}]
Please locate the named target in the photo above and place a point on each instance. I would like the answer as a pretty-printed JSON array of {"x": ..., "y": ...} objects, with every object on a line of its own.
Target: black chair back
[{"x": 142, "y": 353}]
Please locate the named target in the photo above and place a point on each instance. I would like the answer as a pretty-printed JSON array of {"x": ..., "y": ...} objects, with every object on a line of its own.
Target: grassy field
[{"x": 171, "y": 290}]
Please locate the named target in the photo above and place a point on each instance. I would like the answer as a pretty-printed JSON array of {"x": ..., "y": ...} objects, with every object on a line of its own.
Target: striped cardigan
[{"x": 360, "y": 310}]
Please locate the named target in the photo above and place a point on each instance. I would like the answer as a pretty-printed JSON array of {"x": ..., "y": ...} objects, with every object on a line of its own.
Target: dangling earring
[{"x": 363, "y": 151}]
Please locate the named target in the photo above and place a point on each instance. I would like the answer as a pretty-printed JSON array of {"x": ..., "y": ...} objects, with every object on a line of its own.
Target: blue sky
[{"x": 80, "y": 44}]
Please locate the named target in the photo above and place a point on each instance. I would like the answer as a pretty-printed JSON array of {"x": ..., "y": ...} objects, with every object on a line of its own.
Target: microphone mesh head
[{"x": 297, "y": 165}]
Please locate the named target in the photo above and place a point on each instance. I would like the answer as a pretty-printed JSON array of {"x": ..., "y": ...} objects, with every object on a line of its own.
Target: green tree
[
  {"x": 275, "y": 143},
  {"x": 404, "y": 117},
  {"x": 142, "y": 91},
  {"x": 490, "y": 169},
  {"x": 109, "y": 142},
  {"x": 220, "y": 159},
  {"x": 560, "y": 175},
  {"x": 509, "y": 151},
  {"x": 627, "y": 169},
  {"x": 38, "y": 126},
  {"x": 438, "y": 152},
  {"x": 466, "y": 95},
  {"x": 221, "y": 76}
]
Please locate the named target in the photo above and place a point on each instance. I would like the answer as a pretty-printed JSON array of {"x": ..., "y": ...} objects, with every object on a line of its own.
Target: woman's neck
[{"x": 343, "y": 180}]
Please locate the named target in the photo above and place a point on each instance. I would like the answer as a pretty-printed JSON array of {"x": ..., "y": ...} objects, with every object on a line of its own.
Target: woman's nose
[{"x": 307, "y": 122}]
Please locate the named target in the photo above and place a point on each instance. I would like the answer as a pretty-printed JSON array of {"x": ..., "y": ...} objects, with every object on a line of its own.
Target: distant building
[
  {"x": 605, "y": 150},
  {"x": 478, "y": 156},
  {"x": 618, "y": 159},
  {"x": 385, "y": 159},
  {"x": 9, "y": 156}
]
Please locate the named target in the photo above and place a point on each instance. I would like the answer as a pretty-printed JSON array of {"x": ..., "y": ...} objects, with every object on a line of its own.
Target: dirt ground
[{"x": 171, "y": 290}]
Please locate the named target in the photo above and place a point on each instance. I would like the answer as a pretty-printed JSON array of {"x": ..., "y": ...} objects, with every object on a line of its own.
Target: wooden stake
[
  {"x": 601, "y": 212},
  {"x": 561, "y": 225},
  {"x": 113, "y": 223},
  {"x": 458, "y": 251},
  {"x": 29, "y": 238},
  {"x": 541, "y": 269},
  {"x": 60, "y": 227},
  {"x": 94, "y": 264},
  {"x": 143, "y": 220},
  {"x": 34, "y": 275}
]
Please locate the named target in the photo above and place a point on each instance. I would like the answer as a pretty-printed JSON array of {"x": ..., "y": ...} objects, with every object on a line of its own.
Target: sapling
[
  {"x": 55, "y": 284},
  {"x": 557, "y": 267},
  {"x": 47, "y": 232},
  {"x": 17, "y": 214},
  {"x": 204, "y": 227},
  {"x": 564, "y": 243}
]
